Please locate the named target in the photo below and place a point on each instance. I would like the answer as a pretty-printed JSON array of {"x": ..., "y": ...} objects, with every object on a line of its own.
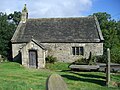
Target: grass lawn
[{"x": 14, "y": 76}]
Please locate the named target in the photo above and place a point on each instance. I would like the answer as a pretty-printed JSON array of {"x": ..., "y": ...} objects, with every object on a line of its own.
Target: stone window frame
[{"x": 78, "y": 50}]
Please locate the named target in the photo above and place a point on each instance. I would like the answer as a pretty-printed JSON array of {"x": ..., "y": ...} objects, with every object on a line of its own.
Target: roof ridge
[{"x": 60, "y": 18}]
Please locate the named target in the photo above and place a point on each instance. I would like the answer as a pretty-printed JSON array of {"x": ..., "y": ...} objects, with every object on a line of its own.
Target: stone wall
[
  {"x": 40, "y": 54},
  {"x": 24, "y": 50},
  {"x": 63, "y": 51}
]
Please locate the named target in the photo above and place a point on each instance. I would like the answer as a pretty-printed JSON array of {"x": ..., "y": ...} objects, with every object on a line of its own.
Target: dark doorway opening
[
  {"x": 18, "y": 58},
  {"x": 33, "y": 62}
]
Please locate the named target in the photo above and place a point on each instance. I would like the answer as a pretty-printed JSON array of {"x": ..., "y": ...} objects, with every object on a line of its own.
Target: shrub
[
  {"x": 115, "y": 55},
  {"x": 50, "y": 59},
  {"x": 101, "y": 58},
  {"x": 81, "y": 61},
  {"x": 92, "y": 60}
]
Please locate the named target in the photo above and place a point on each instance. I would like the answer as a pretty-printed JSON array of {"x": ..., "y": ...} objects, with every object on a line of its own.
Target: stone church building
[{"x": 67, "y": 39}]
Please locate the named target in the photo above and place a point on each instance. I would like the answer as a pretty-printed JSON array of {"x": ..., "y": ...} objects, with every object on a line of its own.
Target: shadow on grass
[
  {"x": 85, "y": 75},
  {"x": 90, "y": 75},
  {"x": 91, "y": 80}
]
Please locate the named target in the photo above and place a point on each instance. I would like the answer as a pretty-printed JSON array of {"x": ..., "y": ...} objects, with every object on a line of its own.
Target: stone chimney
[{"x": 24, "y": 16}]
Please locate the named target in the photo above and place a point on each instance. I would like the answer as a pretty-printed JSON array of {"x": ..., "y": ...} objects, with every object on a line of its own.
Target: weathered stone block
[{"x": 55, "y": 82}]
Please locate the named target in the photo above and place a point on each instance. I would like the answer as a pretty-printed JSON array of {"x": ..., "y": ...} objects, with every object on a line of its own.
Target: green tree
[
  {"x": 111, "y": 33},
  {"x": 15, "y": 17},
  {"x": 103, "y": 18},
  {"x": 118, "y": 29},
  {"x": 7, "y": 28}
]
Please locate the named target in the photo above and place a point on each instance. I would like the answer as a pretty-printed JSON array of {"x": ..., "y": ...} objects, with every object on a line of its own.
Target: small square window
[{"x": 77, "y": 50}]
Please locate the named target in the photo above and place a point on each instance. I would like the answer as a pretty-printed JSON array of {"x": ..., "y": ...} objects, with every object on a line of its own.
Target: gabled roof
[
  {"x": 79, "y": 29},
  {"x": 39, "y": 44}
]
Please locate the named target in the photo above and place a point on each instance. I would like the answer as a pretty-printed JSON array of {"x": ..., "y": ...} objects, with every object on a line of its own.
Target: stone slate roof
[{"x": 80, "y": 29}]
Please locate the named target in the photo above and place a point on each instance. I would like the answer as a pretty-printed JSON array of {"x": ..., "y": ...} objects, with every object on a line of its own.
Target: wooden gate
[{"x": 33, "y": 59}]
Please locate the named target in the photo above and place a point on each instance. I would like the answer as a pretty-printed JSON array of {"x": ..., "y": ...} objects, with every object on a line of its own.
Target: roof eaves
[{"x": 98, "y": 28}]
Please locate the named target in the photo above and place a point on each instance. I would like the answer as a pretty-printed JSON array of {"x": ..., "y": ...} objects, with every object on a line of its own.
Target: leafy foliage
[
  {"x": 16, "y": 17},
  {"x": 111, "y": 33},
  {"x": 7, "y": 28},
  {"x": 115, "y": 54},
  {"x": 84, "y": 61},
  {"x": 81, "y": 61},
  {"x": 101, "y": 58},
  {"x": 50, "y": 59},
  {"x": 92, "y": 61}
]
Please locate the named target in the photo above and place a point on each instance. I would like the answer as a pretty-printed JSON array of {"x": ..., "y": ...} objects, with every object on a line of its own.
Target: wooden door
[{"x": 33, "y": 58}]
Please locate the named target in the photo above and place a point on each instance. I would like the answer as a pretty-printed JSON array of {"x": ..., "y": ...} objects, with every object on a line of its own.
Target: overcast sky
[{"x": 62, "y": 8}]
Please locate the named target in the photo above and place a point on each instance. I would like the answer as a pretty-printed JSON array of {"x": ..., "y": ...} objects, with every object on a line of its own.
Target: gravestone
[
  {"x": 108, "y": 68},
  {"x": 55, "y": 82}
]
